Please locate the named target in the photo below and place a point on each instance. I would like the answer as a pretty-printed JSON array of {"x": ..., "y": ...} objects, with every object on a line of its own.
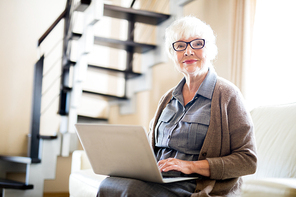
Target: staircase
[
  {"x": 64, "y": 89},
  {"x": 116, "y": 84}
]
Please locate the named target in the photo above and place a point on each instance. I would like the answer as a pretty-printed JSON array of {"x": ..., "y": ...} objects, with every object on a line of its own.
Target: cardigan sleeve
[{"x": 237, "y": 154}]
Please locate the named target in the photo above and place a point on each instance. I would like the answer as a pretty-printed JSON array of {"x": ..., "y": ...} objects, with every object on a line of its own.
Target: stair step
[
  {"x": 129, "y": 74},
  {"x": 111, "y": 97},
  {"x": 127, "y": 45},
  {"x": 136, "y": 15},
  {"x": 82, "y": 5},
  {"x": 16, "y": 159},
  {"x": 48, "y": 137},
  {"x": 87, "y": 119},
  {"x": 9, "y": 184},
  {"x": 26, "y": 160},
  {"x": 106, "y": 95}
]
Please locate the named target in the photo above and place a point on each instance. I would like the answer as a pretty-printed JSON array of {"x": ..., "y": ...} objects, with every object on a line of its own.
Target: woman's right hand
[{"x": 187, "y": 167}]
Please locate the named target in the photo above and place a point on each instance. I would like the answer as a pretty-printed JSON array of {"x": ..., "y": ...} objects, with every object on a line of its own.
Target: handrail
[
  {"x": 62, "y": 15},
  {"x": 132, "y": 4},
  {"x": 47, "y": 32}
]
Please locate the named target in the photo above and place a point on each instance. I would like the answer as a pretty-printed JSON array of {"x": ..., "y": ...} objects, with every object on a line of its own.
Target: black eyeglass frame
[{"x": 204, "y": 42}]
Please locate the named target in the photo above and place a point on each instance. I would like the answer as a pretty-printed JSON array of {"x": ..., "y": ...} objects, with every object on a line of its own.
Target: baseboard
[{"x": 56, "y": 194}]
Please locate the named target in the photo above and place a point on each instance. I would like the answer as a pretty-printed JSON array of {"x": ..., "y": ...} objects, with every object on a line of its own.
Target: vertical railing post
[
  {"x": 63, "y": 110},
  {"x": 35, "y": 120},
  {"x": 130, "y": 50}
]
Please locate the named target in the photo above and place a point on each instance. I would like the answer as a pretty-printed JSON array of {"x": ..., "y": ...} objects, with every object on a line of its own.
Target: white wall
[
  {"x": 219, "y": 15},
  {"x": 22, "y": 22}
]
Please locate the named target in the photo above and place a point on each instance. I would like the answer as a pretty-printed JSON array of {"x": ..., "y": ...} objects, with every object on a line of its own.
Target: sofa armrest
[
  {"x": 279, "y": 187},
  {"x": 83, "y": 181},
  {"x": 79, "y": 161}
]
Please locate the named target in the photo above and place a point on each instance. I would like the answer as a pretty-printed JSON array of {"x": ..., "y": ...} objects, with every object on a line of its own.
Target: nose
[{"x": 188, "y": 51}]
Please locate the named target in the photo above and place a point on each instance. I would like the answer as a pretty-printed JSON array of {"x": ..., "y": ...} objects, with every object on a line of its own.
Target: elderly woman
[{"x": 200, "y": 127}]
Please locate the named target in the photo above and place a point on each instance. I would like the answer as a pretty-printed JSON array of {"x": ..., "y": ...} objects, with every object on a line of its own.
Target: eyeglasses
[{"x": 195, "y": 44}]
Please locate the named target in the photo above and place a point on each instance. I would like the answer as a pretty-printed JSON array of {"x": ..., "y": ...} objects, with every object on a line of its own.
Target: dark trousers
[{"x": 124, "y": 187}]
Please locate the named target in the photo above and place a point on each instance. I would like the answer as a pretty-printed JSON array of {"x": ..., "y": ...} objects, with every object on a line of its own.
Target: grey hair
[{"x": 190, "y": 26}]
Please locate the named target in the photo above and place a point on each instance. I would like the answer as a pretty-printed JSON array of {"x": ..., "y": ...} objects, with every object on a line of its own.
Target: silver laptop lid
[{"x": 119, "y": 150}]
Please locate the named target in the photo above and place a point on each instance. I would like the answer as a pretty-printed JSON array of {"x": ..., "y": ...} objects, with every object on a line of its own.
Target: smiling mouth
[{"x": 189, "y": 61}]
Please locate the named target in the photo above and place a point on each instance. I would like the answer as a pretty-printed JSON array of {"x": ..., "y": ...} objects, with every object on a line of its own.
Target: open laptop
[{"x": 121, "y": 151}]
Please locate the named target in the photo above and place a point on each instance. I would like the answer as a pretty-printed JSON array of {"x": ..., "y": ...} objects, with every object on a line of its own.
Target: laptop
[{"x": 121, "y": 151}]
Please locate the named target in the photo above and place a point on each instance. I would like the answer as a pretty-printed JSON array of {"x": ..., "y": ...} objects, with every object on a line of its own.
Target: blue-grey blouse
[{"x": 181, "y": 130}]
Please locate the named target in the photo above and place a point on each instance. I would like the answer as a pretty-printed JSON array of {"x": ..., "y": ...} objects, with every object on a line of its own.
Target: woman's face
[{"x": 191, "y": 61}]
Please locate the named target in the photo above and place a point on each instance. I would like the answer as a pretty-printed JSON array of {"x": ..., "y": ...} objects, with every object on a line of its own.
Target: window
[{"x": 272, "y": 76}]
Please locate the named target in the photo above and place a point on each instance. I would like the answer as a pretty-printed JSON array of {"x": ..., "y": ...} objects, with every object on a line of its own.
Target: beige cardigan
[{"x": 229, "y": 145}]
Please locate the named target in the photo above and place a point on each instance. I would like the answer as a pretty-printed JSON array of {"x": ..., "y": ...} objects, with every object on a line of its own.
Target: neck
[
  {"x": 191, "y": 86},
  {"x": 193, "y": 82}
]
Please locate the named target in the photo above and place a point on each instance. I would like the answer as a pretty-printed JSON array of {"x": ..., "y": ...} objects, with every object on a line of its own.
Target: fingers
[
  {"x": 167, "y": 160},
  {"x": 175, "y": 164},
  {"x": 168, "y": 165}
]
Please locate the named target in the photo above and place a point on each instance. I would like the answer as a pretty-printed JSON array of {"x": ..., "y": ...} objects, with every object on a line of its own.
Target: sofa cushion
[
  {"x": 275, "y": 130},
  {"x": 272, "y": 187},
  {"x": 84, "y": 183}
]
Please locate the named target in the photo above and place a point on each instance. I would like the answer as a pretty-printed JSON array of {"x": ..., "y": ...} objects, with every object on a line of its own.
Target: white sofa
[
  {"x": 275, "y": 129},
  {"x": 83, "y": 182}
]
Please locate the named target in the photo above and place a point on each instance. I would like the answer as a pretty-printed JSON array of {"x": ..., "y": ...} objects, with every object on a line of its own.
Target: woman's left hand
[{"x": 187, "y": 167}]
